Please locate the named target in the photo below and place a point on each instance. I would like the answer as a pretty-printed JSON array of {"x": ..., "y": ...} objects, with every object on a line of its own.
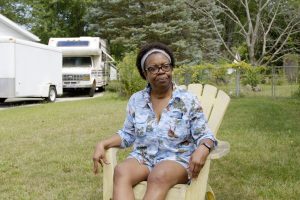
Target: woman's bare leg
[
  {"x": 165, "y": 175},
  {"x": 127, "y": 174}
]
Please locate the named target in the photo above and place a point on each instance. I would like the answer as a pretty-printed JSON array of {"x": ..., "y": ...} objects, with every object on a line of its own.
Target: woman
[{"x": 166, "y": 127}]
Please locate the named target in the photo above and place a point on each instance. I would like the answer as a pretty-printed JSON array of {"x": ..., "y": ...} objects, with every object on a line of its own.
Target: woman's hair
[{"x": 146, "y": 48}]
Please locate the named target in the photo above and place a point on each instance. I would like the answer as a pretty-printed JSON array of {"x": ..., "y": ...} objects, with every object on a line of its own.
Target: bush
[
  {"x": 130, "y": 79},
  {"x": 192, "y": 74},
  {"x": 219, "y": 74},
  {"x": 251, "y": 77},
  {"x": 114, "y": 86}
]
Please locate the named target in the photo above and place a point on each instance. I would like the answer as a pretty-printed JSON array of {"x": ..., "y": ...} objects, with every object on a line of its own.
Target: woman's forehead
[{"x": 156, "y": 58}]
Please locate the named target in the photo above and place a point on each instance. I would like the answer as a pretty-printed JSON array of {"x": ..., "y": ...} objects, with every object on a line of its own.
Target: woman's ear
[{"x": 145, "y": 74}]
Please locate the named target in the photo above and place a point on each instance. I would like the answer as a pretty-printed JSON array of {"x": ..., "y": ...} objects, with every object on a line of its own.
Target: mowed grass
[
  {"x": 264, "y": 161},
  {"x": 46, "y": 150}
]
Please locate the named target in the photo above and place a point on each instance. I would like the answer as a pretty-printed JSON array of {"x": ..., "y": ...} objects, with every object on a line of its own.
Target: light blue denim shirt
[{"x": 175, "y": 136}]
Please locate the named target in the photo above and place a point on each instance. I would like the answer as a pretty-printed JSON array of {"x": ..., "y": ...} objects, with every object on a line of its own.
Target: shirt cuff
[{"x": 212, "y": 138}]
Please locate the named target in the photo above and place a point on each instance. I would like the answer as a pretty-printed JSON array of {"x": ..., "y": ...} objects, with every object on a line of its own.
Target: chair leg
[{"x": 209, "y": 194}]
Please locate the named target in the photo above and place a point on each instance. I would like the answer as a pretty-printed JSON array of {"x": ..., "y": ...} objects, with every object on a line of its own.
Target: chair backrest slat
[
  {"x": 207, "y": 99},
  {"x": 219, "y": 108},
  {"x": 196, "y": 89},
  {"x": 213, "y": 102}
]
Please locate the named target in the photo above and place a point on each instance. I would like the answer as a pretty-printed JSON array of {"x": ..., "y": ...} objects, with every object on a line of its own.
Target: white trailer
[
  {"x": 29, "y": 69},
  {"x": 86, "y": 63}
]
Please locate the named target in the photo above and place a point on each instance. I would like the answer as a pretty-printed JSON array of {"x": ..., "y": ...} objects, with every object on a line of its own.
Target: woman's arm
[
  {"x": 199, "y": 156},
  {"x": 203, "y": 136},
  {"x": 101, "y": 147}
]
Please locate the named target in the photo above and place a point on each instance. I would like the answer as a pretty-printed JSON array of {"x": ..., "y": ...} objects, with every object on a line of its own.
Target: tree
[
  {"x": 129, "y": 24},
  {"x": 58, "y": 18},
  {"x": 205, "y": 33},
  {"x": 267, "y": 28},
  {"x": 55, "y": 18},
  {"x": 15, "y": 10}
]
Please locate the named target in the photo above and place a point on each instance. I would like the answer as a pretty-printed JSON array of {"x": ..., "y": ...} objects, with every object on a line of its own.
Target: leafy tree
[
  {"x": 55, "y": 18},
  {"x": 58, "y": 18},
  {"x": 15, "y": 10}
]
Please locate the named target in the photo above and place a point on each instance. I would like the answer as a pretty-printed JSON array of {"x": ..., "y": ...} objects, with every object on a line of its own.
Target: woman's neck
[{"x": 161, "y": 93}]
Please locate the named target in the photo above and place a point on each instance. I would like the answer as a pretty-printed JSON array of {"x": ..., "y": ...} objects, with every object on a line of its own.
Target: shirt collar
[{"x": 175, "y": 94}]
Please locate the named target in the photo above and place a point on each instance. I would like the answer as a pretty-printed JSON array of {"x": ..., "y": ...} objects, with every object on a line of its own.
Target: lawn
[{"x": 46, "y": 150}]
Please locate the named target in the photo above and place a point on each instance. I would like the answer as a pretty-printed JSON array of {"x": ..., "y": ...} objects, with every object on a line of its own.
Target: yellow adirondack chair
[{"x": 214, "y": 105}]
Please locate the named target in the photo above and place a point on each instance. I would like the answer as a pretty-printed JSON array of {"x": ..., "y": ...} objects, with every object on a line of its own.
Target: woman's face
[{"x": 161, "y": 78}]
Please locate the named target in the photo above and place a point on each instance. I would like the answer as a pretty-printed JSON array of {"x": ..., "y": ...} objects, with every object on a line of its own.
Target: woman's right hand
[{"x": 99, "y": 156}]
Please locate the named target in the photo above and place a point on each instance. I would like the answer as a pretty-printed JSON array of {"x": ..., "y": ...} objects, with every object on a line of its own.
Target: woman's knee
[
  {"x": 158, "y": 178},
  {"x": 120, "y": 172}
]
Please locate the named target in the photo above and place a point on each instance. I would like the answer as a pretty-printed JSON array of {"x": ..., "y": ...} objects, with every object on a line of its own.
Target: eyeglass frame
[{"x": 158, "y": 68}]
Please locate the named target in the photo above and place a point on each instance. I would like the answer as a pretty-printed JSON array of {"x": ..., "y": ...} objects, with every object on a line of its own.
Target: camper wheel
[
  {"x": 92, "y": 89},
  {"x": 52, "y": 94}
]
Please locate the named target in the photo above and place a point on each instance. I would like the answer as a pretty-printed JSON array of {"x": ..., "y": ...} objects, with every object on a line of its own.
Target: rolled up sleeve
[{"x": 127, "y": 133}]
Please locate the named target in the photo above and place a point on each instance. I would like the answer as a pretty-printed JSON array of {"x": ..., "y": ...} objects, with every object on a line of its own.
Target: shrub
[
  {"x": 130, "y": 79},
  {"x": 114, "y": 86},
  {"x": 192, "y": 74},
  {"x": 219, "y": 74}
]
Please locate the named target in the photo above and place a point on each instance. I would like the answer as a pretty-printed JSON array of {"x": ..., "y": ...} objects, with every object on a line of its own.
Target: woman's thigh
[
  {"x": 169, "y": 173},
  {"x": 131, "y": 170}
]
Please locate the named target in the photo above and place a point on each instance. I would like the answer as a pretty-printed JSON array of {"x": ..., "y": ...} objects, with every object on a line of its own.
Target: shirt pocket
[
  {"x": 178, "y": 129},
  {"x": 142, "y": 124}
]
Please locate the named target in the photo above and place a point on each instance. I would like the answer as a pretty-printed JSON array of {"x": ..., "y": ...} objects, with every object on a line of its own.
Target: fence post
[
  {"x": 273, "y": 81},
  {"x": 237, "y": 82}
]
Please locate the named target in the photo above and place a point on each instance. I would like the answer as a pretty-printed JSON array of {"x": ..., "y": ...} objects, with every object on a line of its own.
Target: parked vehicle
[
  {"x": 86, "y": 63},
  {"x": 29, "y": 69}
]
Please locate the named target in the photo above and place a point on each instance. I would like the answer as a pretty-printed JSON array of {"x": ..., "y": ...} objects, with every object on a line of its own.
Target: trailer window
[
  {"x": 73, "y": 43},
  {"x": 77, "y": 61}
]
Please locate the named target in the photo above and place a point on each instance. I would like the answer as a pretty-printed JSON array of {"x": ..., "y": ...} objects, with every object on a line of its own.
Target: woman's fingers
[
  {"x": 95, "y": 166},
  {"x": 104, "y": 160},
  {"x": 100, "y": 159},
  {"x": 195, "y": 167},
  {"x": 196, "y": 171},
  {"x": 97, "y": 159}
]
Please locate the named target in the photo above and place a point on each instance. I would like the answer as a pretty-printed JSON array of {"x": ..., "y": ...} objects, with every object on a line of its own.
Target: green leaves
[{"x": 131, "y": 24}]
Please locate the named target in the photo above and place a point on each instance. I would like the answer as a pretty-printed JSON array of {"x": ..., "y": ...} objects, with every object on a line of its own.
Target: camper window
[{"x": 77, "y": 62}]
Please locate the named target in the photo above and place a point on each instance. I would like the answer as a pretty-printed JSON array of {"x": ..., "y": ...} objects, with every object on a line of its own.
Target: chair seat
[{"x": 177, "y": 192}]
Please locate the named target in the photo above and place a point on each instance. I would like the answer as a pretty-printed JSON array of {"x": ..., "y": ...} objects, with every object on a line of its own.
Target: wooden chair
[{"x": 214, "y": 105}]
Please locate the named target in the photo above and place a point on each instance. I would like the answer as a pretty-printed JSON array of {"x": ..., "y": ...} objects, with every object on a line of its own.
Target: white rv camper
[
  {"x": 85, "y": 63},
  {"x": 29, "y": 69}
]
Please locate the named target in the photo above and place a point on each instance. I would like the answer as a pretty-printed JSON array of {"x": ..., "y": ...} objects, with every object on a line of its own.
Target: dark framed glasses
[{"x": 155, "y": 68}]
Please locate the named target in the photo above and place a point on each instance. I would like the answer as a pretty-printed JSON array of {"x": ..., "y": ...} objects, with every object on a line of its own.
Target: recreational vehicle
[
  {"x": 29, "y": 69},
  {"x": 86, "y": 63}
]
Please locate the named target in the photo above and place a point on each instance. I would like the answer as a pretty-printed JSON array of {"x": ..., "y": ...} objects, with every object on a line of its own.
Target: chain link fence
[{"x": 276, "y": 81}]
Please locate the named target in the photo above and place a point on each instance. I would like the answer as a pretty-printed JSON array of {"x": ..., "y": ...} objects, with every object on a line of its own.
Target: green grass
[
  {"x": 46, "y": 150},
  {"x": 265, "y": 150}
]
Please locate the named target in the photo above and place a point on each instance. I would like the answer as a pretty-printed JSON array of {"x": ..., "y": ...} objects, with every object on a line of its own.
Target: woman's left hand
[{"x": 197, "y": 160}]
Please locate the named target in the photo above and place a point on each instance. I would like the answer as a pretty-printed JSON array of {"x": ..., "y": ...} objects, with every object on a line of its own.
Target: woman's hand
[
  {"x": 197, "y": 160},
  {"x": 99, "y": 156}
]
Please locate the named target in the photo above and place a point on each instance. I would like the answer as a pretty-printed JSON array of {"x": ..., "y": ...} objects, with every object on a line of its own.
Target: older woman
[{"x": 166, "y": 127}]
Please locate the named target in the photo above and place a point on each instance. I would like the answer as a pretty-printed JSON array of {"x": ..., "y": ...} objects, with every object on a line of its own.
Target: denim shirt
[{"x": 176, "y": 135}]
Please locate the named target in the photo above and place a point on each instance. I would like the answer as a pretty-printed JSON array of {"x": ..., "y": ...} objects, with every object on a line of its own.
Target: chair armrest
[
  {"x": 221, "y": 150},
  {"x": 108, "y": 172},
  {"x": 111, "y": 156}
]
